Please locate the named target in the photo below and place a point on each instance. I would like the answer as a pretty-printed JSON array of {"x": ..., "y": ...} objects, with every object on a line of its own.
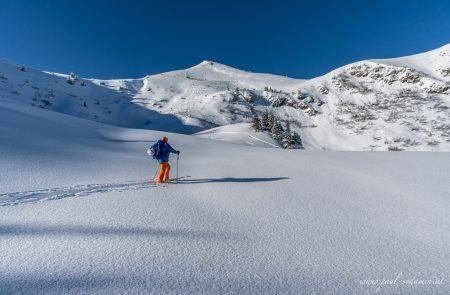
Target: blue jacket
[{"x": 167, "y": 149}]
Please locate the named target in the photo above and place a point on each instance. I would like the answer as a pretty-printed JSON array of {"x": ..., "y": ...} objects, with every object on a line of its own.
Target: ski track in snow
[
  {"x": 260, "y": 140},
  {"x": 17, "y": 198}
]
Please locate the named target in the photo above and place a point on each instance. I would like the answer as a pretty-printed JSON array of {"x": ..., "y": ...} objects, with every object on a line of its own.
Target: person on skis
[{"x": 161, "y": 154}]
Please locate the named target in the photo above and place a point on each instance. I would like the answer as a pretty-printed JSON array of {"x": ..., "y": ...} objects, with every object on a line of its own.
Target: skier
[{"x": 161, "y": 152}]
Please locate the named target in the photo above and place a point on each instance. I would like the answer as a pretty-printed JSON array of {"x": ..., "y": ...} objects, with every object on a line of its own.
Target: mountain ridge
[{"x": 376, "y": 104}]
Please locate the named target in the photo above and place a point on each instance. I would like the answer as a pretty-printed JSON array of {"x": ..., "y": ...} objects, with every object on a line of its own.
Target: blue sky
[{"x": 130, "y": 39}]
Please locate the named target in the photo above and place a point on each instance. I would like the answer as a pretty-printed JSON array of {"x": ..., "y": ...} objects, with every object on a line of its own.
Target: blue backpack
[{"x": 156, "y": 151}]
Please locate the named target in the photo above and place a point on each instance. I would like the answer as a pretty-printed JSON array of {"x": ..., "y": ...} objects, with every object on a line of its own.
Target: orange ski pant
[{"x": 164, "y": 170}]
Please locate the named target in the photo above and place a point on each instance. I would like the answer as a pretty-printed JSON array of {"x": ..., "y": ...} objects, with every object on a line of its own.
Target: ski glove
[{"x": 178, "y": 152}]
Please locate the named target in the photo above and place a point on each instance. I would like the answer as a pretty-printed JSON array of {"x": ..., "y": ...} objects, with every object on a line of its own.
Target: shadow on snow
[
  {"x": 79, "y": 230},
  {"x": 17, "y": 198},
  {"x": 231, "y": 179}
]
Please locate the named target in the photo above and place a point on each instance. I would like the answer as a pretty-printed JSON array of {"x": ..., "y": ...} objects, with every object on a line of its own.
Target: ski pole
[
  {"x": 156, "y": 173},
  {"x": 178, "y": 156}
]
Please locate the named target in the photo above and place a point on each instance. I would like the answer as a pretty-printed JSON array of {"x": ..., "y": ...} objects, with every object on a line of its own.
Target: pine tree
[
  {"x": 72, "y": 78},
  {"x": 271, "y": 120},
  {"x": 277, "y": 131},
  {"x": 287, "y": 137},
  {"x": 287, "y": 127},
  {"x": 265, "y": 121},
  {"x": 248, "y": 96},
  {"x": 297, "y": 140},
  {"x": 287, "y": 140},
  {"x": 256, "y": 123}
]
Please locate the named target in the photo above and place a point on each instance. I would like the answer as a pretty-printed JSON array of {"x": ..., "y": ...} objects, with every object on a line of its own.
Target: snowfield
[{"x": 79, "y": 216}]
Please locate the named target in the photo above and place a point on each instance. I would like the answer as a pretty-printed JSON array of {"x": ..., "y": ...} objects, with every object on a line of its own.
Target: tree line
[{"x": 268, "y": 122}]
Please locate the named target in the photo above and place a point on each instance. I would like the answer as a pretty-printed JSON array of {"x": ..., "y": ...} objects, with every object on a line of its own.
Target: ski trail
[
  {"x": 16, "y": 198},
  {"x": 268, "y": 143}
]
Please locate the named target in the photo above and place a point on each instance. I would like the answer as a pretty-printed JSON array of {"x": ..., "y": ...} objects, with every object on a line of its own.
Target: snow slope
[
  {"x": 78, "y": 215},
  {"x": 399, "y": 104},
  {"x": 390, "y": 104},
  {"x": 81, "y": 98},
  {"x": 242, "y": 134}
]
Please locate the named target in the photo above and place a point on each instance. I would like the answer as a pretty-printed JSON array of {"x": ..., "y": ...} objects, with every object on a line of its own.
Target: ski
[{"x": 172, "y": 180}]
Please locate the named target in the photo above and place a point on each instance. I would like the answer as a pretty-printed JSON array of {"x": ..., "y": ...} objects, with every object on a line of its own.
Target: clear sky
[{"x": 130, "y": 39}]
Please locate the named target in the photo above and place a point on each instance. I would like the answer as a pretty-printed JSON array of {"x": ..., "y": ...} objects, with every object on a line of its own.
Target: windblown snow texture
[{"x": 78, "y": 216}]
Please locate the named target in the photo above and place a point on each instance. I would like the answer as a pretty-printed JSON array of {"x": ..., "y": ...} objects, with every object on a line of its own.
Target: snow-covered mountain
[
  {"x": 391, "y": 104},
  {"x": 81, "y": 214}
]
